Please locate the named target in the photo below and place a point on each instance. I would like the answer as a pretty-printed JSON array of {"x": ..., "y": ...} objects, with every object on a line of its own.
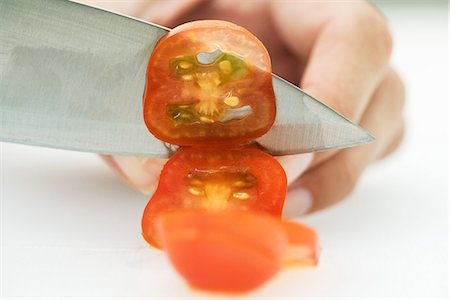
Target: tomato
[
  {"x": 240, "y": 178},
  {"x": 232, "y": 251},
  {"x": 304, "y": 246},
  {"x": 209, "y": 82},
  {"x": 217, "y": 207}
]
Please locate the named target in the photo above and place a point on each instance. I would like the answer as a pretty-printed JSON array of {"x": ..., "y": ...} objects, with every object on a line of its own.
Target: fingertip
[
  {"x": 327, "y": 183},
  {"x": 298, "y": 202},
  {"x": 141, "y": 173}
]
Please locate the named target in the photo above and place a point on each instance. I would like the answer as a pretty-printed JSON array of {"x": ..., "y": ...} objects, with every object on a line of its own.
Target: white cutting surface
[{"x": 70, "y": 227}]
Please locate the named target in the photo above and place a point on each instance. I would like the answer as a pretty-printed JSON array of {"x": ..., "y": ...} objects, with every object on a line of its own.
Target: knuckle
[
  {"x": 381, "y": 33},
  {"x": 374, "y": 26}
]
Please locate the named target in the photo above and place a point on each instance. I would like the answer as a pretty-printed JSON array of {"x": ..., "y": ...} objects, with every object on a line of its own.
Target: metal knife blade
[
  {"x": 304, "y": 124},
  {"x": 72, "y": 77}
]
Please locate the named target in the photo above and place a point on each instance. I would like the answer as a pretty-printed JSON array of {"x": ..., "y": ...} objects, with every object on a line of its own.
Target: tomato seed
[
  {"x": 196, "y": 191},
  {"x": 231, "y": 101},
  {"x": 225, "y": 67},
  {"x": 241, "y": 195},
  {"x": 185, "y": 65},
  {"x": 239, "y": 183}
]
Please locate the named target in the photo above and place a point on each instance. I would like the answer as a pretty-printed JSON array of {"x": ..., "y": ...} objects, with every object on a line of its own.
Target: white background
[{"x": 71, "y": 228}]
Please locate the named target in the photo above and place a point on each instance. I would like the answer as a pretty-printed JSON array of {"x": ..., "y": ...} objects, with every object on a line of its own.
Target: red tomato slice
[
  {"x": 304, "y": 248},
  {"x": 209, "y": 82},
  {"x": 230, "y": 251},
  {"x": 241, "y": 178}
]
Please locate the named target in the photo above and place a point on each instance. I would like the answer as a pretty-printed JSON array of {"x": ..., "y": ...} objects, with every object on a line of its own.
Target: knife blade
[
  {"x": 304, "y": 124},
  {"x": 72, "y": 77}
]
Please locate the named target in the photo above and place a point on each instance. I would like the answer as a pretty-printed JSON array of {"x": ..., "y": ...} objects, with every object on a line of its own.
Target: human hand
[{"x": 337, "y": 52}]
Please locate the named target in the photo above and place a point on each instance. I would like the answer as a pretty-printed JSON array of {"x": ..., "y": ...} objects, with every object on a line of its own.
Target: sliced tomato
[
  {"x": 304, "y": 248},
  {"x": 241, "y": 178},
  {"x": 230, "y": 251},
  {"x": 209, "y": 82}
]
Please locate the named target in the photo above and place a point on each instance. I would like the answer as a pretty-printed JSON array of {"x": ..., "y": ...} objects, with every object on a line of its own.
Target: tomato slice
[
  {"x": 304, "y": 248},
  {"x": 231, "y": 251},
  {"x": 209, "y": 82},
  {"x": 241, "y": 178}
]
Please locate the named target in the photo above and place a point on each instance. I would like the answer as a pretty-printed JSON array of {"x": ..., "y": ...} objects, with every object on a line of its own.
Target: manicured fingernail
[
  {"x": 137, "y": 172},
  {"x": 298, "y": 202},
  {"x": 295, "y": 165}
]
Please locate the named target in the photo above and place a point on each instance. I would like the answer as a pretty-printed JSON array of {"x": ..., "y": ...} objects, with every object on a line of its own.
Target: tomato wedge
[
  {"x": 209, "y": 82},
  {"x": 231, "y": 251},
  {"x": 214, "y": 179}
]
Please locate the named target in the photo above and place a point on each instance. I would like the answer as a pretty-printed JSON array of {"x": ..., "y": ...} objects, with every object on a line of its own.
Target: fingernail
[
  {"x": 140, "y": 172},
  {"x": 298, "y": 202},
  {"x": 295, "y": 165}
]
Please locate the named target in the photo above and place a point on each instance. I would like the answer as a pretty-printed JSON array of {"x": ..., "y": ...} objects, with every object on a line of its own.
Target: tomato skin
[
  {"x": 163, "y": 87},
  {"x": 223, "y": 251},
  {"x": 269, "y": 188}
]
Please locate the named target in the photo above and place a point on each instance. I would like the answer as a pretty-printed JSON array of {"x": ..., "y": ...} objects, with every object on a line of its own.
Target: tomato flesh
[
  {"x": 209, "y": 82},
  {"x": 223, "y": 251},
  {"x": 233, "y": 251},
  {"x": 241, "y": 178}
]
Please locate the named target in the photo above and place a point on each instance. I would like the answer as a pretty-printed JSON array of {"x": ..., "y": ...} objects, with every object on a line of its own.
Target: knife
[{"x": 72, "y": 77}]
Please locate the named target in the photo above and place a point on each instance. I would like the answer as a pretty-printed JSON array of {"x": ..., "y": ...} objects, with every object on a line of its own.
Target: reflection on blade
[
  {"x": 72, "y": 77},
  {"x": 304, "y": 124}
]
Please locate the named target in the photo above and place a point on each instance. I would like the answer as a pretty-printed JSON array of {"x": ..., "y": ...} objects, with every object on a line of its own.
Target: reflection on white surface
[{"x": 70, "y": 228}]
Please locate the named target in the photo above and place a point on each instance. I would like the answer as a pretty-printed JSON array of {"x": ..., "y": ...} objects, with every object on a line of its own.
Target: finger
[
  {"x": 295, "y": 165},
  {"x": 141, "y": 173},
  {"x": 333, "y": 179},
  {"x": 347, "y": 46},
  {"x": 323, "y": 156}
]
